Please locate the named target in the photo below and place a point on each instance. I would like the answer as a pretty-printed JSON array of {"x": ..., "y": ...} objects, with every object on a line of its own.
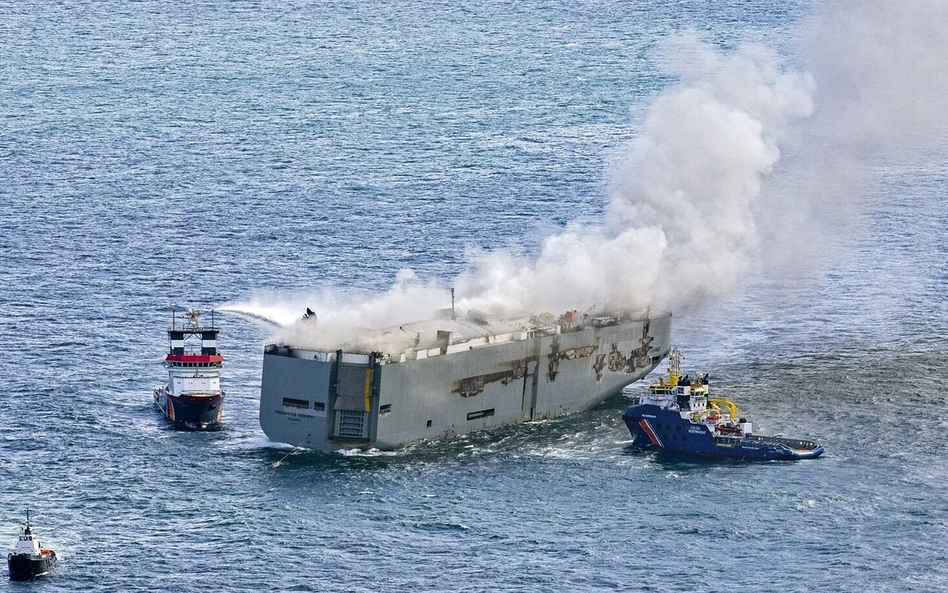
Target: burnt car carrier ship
[{"x": 451, "y": 376}]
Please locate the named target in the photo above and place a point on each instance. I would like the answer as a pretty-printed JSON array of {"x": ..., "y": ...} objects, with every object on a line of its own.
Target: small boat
[
  {"x": 193, "y": 398},
  {"x": 29, "y": 559},
  {"x": 678, "y": 414}
]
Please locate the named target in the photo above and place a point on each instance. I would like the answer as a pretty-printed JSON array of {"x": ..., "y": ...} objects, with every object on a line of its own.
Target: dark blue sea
[{"x": 772, "y": 172}]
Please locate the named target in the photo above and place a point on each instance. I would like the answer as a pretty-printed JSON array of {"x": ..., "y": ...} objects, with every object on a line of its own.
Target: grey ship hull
[{"x": 337, "y": 400}]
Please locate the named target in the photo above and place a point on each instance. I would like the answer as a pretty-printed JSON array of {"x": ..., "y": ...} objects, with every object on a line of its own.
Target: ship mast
[{"x": 674, "y": 366}]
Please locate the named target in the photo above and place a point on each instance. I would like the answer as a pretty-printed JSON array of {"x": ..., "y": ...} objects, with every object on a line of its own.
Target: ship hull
[
  {"x": 653, "y": 427},
  {"x": 191, "y": 412},
  {"x": 24, "y": 567},
  {"x": 336, "y": 400}
]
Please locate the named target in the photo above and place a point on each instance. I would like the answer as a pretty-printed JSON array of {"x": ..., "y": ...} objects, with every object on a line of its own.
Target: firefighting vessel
[
  {"x": 453, "y": 375},
  {"x": 29, "y": 559},
  {"x": 678, "y": 414},
  {"x": 193, "y": 398}
]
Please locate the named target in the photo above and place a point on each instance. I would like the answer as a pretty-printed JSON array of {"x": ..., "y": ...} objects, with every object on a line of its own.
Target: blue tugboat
[
  {"x": 29, "y": 559},
  {"x": 677, "y": 414}
]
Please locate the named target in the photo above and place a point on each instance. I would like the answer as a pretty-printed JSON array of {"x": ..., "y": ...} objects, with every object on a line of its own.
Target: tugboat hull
[
  {"x": 654, "y": 427},
  {"x": 24, "y": 567},
  {"x": 191, "y": 412}
]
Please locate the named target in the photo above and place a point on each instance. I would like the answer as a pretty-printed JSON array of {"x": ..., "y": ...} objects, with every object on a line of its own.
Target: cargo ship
[
  {"x": 677, "y": 414},
  {"x": 29, "y": 559},
  {"x": 453, "y": 375},
  {"x": 192, "y": 399}
]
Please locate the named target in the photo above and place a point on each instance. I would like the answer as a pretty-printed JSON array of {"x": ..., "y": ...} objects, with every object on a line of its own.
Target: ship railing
[
  {"x": 546, "y": 330},
  {"x": 191, "y": 329},
  {"x": 203, "y": 392},
  {"x": 176, "y": 364},
  {"x": 794, "y": 444}
]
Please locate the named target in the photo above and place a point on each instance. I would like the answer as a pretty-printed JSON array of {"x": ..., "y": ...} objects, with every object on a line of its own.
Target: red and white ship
[{"x": 193, "y": 398}]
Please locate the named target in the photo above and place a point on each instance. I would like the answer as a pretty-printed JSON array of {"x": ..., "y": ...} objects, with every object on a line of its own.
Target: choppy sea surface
[{"x": 157, "y": 156}]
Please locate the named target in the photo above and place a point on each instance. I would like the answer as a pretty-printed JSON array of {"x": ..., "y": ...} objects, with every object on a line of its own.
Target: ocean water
[{"x": 156, "y": 156}]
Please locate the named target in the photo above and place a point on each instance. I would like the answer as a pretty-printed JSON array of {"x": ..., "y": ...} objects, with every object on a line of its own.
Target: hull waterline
[{"x": 25, "y": 568}]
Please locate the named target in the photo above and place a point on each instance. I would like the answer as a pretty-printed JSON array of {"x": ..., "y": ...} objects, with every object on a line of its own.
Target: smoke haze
[
  {"x": 880, "y": 92},
  {"x": 744, "y": 165}
]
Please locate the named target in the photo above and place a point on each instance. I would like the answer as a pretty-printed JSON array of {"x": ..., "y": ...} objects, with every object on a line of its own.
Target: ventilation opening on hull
[
  {"x": 289, "y": 402},
  {"x": 480, "y": 414}
]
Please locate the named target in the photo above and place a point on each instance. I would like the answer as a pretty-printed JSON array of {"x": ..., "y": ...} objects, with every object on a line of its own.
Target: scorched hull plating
[{"x": 335, "y": 400}]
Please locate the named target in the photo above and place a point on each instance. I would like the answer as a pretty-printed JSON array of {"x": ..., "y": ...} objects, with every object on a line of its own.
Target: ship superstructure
[
  {"x": 193, "y": 398},
  {"x": 455, "y": 376}
]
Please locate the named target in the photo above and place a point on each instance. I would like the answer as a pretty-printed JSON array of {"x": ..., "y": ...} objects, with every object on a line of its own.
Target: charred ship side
[
  {"x": 455, "y": 376},
  {"x": 193, "y": 398}
]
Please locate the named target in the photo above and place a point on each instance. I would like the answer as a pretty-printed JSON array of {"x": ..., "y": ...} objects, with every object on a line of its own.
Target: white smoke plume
[
  {"x": 744, "y": 163},
  {"x": 880, "y": 96},
  {"x": 340, "y": 317},
  {"x": 881, "y": 75}
]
